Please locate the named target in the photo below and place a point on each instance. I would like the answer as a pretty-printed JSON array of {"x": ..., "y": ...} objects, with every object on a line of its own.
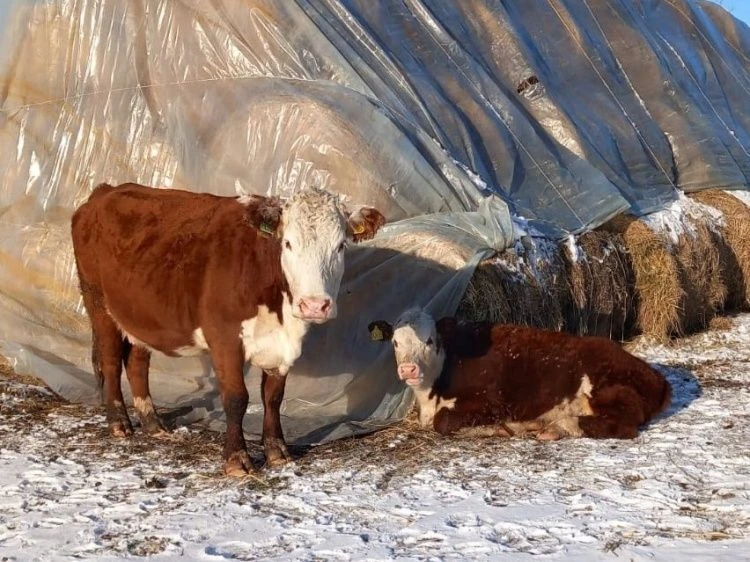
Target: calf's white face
[
  {"x": 315, "y": 229},
  {"x": 418, "y": 350}
]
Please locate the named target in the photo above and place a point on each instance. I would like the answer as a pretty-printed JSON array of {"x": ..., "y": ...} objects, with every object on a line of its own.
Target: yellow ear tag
[
  {"x": 359, "y": 228},
  {"x": 376, "y": 334}
]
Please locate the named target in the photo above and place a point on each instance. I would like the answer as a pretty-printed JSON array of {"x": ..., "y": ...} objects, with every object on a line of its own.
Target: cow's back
[
  {"x": 526, "y": 372},
  {"x": 152, "y": 256}
]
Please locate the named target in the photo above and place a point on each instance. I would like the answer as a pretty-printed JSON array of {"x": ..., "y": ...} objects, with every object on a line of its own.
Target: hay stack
[
  {"x": 678, "y": 276},
  {"x": 523, "y": 285},
  {"x": 733, "y": 245},
  {"x": 602, "y": 286},
  {"x": 655, "y": 275}
]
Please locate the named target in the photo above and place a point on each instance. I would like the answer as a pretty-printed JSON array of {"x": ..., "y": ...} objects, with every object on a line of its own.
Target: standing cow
[
  {"x": 181, "y": 273},
  {"x": 479, "y": 378}
]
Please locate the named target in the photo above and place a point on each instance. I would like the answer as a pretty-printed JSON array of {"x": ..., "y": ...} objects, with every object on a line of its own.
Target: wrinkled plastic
[{"x": 441, "y": 114}]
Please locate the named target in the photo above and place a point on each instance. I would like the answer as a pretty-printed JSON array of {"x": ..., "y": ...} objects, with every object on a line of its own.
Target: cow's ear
[
  {"x": 380, "y": 330},
  {"x": 265, "y": 215},
  {"x": 446, "y": 328},
  {"x": 364, "y": 223}
]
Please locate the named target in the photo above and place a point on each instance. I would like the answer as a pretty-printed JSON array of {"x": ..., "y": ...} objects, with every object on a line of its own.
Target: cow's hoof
[
  {"x": 276, "y": 453},
  {"x": 550, "y": 435},
  {"x": 153, "y": 427},
  {"x": 238, "y": 465},
  {"x": 120, "y": 428}
]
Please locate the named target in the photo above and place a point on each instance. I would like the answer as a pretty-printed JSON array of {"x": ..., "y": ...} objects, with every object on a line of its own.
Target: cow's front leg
[
  {"x": 228, "y": 362},
  {"x": 272, "y": 393}
]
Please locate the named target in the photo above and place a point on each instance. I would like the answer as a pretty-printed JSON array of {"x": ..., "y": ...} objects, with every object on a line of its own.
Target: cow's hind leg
[
  {"x": 618, "y": 413},
  {"x": 272, "y": 393},
  {"x": 107, "y": 355},
  {"x": 137, "y": 366}
]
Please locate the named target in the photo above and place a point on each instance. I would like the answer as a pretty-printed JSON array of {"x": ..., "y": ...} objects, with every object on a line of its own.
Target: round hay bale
[
  {"x": 657, "y": 281},
  {"x": 733, "y": 245},
  {"x": 602, "y": 286},
  {"x": 698, "y": 265},
  {"x": 523, "y": 285}
]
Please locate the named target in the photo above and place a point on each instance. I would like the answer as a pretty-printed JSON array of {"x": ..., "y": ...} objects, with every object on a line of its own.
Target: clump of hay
[
  {"x": 733, "y": 245},
  {"x": 676, "y": 262},
  {"x": 602, "y": 286},
  {"x": 523, "y": 285},
  {"x": 655, "y": 274}
]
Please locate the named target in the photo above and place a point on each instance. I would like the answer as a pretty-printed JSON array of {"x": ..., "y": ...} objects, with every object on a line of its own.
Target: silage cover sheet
[{"x": 448, "y": 116}]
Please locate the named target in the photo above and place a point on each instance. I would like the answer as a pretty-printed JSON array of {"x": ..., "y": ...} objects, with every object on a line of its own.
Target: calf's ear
[
  {"x": 380, "y": 330},
  {"x": 446, "y": 328},
  {"x": 265, "y": 214},
  {"x": 364, "y": 223}
]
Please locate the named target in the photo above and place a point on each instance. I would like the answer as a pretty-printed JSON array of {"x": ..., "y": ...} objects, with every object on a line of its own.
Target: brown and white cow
[
  {"x": 479, "y": 378},
  {"x": 182, "y": 273}
]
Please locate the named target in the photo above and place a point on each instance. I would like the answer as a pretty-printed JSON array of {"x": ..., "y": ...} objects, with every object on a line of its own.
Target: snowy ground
[{"x": 681, "y": 491}]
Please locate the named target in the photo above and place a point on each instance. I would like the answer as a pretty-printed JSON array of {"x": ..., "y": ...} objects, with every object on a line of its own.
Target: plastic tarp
[{"x": 447, "y": 116}]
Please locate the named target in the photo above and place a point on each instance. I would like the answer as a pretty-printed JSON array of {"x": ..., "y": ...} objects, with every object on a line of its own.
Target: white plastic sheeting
[{"x": 441, "y": 114}]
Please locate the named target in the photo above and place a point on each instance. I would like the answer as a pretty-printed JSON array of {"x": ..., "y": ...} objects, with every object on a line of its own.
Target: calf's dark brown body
[{"x": 541, "y": 381}]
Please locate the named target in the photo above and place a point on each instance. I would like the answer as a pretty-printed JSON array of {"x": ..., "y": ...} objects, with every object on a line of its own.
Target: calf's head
[
  {"x": 314, "y": 228},
  {"x": 418, "y": 343}
]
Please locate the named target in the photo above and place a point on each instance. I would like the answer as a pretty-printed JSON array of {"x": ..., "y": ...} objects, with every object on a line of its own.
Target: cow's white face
[
  {"x": 314, "y": 230},
  {"x": 314, "y": 236},
  {"x": 418, "y": 349}
]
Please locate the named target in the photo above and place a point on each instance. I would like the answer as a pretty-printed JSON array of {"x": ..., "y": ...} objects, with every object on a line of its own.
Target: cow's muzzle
[
  {"x": 315, "y": 309},
  {"x": 410, "y": 373}
]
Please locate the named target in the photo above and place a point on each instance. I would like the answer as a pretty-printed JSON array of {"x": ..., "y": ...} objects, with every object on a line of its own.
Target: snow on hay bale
[
  {"x": 675, "y": 258},
  {"x": 584, "y": 286},
  {"x": 733, "y": 244},
  {"x": 524, "y": 284},
  {"x": 602, "y": 286},
  {"x": 665, "y": 275}
]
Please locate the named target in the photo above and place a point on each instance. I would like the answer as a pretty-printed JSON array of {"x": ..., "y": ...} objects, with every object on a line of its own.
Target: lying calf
[{"x": 480, "y": 378}]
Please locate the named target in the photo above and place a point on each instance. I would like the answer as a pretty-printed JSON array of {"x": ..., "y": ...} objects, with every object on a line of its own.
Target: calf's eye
[
  {"x": 429, "y": 341},
  {"x": 341, "y": 246},
  {"x": 288, "y": 245},
  {"x": 395, "y": 343}
]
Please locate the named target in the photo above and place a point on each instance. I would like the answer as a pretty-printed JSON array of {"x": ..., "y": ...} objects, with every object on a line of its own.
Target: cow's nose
[
  {"x": 315, "y": 308},
  {"x": 407, "y": 371}
]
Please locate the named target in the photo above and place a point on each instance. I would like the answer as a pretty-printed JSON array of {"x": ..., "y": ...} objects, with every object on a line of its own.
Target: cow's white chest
[
  {"x": 268, "y": 343},
  {"x": 429, "y": 407}
]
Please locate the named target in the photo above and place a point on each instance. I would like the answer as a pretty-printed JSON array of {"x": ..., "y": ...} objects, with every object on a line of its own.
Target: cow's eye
[
  {"x": 342, "y": 246},
  {"x": 395, "y": 343},
  {"x": 288, "y": 245},
  {"x": 429, "y": 341}
]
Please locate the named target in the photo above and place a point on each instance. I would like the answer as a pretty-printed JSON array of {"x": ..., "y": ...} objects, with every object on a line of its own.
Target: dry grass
[
  {"x": 698, "y": 265},
  {"x": 733, "y": 245},
  {"x": 602, "y": 287},
  {"x": 656, "y": 273},
  {"x": 525, "y": 285}
]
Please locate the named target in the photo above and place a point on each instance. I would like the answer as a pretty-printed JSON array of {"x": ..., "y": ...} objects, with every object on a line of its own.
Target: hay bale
[
  {"x": 733, "y": 245},
  {"x": 523, "y": 285},
  {"x": 676, "y": 261},
  {"x": 657, "y": 282},
  {"x": 602, "y": 286},
  {"x": 698, "y": 265}
]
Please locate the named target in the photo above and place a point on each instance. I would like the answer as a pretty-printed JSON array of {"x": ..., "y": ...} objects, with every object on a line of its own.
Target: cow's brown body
[
  {"x": 548, "y": 383},
  {"x": 180, "y": 272}
]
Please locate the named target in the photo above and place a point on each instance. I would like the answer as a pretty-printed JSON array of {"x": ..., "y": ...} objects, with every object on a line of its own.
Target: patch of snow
[
  {"x": 574, "y": 251},
  {"x": 742, "y": 195},
  {"x": 676, "y": 219},
  {"x": 680, "y": 491}
]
